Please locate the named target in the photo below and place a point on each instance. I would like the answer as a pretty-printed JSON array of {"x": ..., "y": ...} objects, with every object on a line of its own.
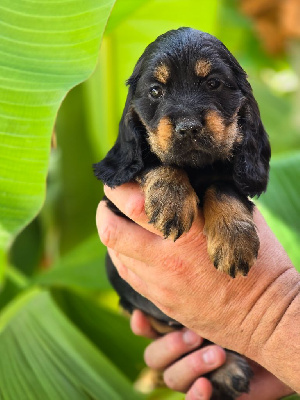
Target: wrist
[
  {"x": 274, "y": 319},
  {"x": 270, "y": 311}
]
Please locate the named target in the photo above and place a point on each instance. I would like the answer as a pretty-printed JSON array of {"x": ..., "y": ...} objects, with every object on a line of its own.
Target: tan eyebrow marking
[
  {"x": 162, "y": 73},
  {"x": 202, "y": 67}
]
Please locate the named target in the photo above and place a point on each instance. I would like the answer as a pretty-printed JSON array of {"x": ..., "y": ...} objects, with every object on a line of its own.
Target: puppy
[{"x": 192, "y": 136}]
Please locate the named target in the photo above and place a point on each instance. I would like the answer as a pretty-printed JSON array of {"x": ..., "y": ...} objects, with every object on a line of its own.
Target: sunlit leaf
[
  {"x": 45, "y": 49},
  {"x": 109, "y": 331},
  {"x": 81, "y": 268},
  {"x": 165, "y": 394},
  {"x": 43, "y": 356}
]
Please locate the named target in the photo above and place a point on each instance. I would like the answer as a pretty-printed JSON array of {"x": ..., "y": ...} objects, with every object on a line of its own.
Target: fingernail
[
  {"x": 209, "y": 357},
  {"x": 191, "y": 338}
]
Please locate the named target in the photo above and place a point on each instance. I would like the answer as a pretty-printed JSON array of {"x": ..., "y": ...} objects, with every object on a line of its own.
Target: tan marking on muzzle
[
  {"x": 224, "y": 135},
  {"x": 160, "y": 140}
]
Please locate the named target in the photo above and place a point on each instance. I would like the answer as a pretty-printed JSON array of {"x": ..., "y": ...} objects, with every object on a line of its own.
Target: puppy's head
[{"x": 189, "y": 100}]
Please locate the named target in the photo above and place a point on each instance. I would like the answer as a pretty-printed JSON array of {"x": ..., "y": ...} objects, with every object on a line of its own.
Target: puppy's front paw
[
  {"x": 233, "y": 248},
  {"x": 170, "y": 201},
  {"x": 232, "y": 379},
  {"x": 232, "y": 240}
]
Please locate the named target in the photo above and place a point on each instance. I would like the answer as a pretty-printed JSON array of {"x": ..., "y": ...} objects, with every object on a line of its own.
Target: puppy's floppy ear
[
  {"x": 251, "y": 161},
  {"x": 123, "y": 162}
]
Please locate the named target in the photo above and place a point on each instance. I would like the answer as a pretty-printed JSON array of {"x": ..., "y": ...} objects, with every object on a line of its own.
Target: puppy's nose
[{"x": 188, "y": 127}]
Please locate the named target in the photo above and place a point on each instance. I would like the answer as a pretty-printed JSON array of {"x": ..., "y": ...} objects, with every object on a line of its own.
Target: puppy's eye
[
  {"x": 156, "y": 92},
  {"x": 213, "y": 83}
]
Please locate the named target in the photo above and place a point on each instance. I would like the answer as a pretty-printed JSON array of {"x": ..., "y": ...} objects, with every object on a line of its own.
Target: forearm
[
  {"x": 281, "y": 351},
  {"x": 274, "y": 322}
]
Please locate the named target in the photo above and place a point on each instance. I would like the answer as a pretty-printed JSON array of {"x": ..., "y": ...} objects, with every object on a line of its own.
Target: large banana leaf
[
  {"x": 108, "y": 330},
  {"x": 45, "y": 49},
  {"x": 43, "y": 356},
  {"x": 81, "y": 268}
]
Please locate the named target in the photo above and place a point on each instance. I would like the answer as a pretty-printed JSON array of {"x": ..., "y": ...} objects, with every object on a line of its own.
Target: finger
[
  {"x": 169, "y": 348},
  {"x": 180, "y": 375},
  {"x": 129, "y": 276},
  {"x": 130, "y": 199},
  {"x": 140, "y": 325},
  {"x": 123, "y": 263},
  {"x": 125, "y": 237},
  {"x": 133, "y": 241},
  {"x": 200, "y": 390}
]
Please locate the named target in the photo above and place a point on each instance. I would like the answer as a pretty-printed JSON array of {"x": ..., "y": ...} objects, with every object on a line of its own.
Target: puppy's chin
[
  {"x": 195, "y": 152},
  {"x": 195, "y": 158}
]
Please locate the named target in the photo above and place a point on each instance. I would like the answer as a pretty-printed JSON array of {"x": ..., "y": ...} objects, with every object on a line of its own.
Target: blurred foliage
[{"x": 59, "y": 251}]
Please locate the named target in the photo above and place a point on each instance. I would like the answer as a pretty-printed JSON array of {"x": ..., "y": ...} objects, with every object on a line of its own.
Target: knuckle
[
  {"x": 170, "y": 381},
  {"x": 173, "y": 263},
  {"x": 149, "y": 359},
  {"x": 135, "y": 208},
  {"x": 108, "y": 235},
  {"x": 123, "y": 271},
  {"x": 195, "y": 363},
  {"x": 174, "y": 342}
]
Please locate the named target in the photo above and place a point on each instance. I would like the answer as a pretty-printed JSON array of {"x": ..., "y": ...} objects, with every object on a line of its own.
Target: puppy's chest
[{"x": 202, "y": 179}]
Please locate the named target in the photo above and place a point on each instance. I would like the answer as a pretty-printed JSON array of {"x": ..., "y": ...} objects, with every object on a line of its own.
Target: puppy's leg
[
  {"x": 232, "y": 379},
  {"x": 170, "y": 201},
  {"x": 232, "y": 240}
]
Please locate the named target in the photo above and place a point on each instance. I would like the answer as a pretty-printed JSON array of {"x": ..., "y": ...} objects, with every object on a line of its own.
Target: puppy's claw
[
  {"x": 154, "y": 216},
  {"x": 231, "y": 271},
  {"x": 174, "y": 229},
  {"x": 232, "y": 251},
  {"x": 240, "y": 384}
]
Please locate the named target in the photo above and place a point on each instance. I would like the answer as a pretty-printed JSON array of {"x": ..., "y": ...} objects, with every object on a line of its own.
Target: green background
[{"x": 73, "y": 342}]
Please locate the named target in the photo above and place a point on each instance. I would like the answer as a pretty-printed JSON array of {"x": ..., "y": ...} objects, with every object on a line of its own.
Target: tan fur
[
  {"x": 160, "y": 140},
  {"x": 202, "y": 68},
  {"x": 162, "y": 73},
  {"x": 225, "y": 136},
  {"x": 169, "y": 200},
  {"x": 231, "y": 233},
  {"x": 235, "y": 367}
]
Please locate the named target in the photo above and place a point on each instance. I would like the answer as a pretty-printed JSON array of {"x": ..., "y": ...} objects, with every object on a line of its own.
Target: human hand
[
  {"x": 254, "y": 316},
  {"x": 174, "y": 274},
  {"x": 184, "y": 364}
]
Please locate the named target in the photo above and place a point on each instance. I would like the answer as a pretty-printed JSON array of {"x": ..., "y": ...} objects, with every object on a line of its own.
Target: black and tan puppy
[{"x": 192, "y": 136}]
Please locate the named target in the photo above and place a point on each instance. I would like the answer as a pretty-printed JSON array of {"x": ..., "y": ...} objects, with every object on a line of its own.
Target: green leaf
[
  {"x": 165, "y": 394},
  {"x": 122, "y": 11},
  {"x": 81, "y": 268},
  {"x": 45, "y": 50},
  {"x": 109, "y": 331},
  {"x": 43, "y": 356},
  {"x": 291, "y": 397},
  {"x": 280, "y": 204}
]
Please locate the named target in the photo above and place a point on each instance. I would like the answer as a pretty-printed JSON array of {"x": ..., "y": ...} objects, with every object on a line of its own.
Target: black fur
[{"x": 249, "y": 166}]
